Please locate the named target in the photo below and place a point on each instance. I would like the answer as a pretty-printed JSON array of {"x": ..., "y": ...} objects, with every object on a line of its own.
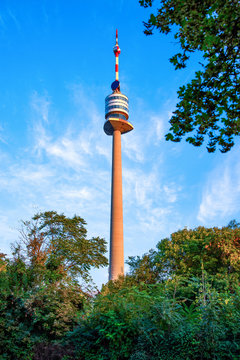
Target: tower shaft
[{"x": 116, "y": 230}]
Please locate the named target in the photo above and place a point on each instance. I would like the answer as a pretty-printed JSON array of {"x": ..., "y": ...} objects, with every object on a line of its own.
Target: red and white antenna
[{"x": 116, "y": 51}]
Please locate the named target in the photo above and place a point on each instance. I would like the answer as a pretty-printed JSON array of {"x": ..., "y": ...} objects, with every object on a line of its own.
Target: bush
[
  {"x": 16, "y": 325},
  {"x": 146, "y": 324}
]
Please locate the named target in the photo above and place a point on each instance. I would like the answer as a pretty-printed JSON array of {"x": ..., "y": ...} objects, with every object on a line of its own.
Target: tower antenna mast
[{"x": 117, "y": 52}]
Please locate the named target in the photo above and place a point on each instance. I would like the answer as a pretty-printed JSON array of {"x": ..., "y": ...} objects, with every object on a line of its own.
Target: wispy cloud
[
  {"x": 158, "y": 123},
  {"x": 139, "y": 186},
  {"x": 171, "y": 191},
  {"x": 32, "y": 173},
  {"x": 67, "y": 150},
  {"x": 85, "y": 103},
  {"x": 13, "y": 17},
  {"x": 156, "y": 218},
  {"x": 221, "y": 194},
  {"x": 151, "y": 200},
  {"x": 40, "y": 105},
  {"x": 133, "y": 147},
  {"x": 156, "y": 127},
  {"x": 104, "y": 150}
]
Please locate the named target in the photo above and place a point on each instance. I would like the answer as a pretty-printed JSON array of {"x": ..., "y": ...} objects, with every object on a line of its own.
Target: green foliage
[
  {"x": 187, "y": 252},
  {"x": 16, "y": 326},
  {"x": 209, "y": 104},
  {"x": 146, "y": 269},
  {"x": 199, "y": 331},
  {"x": 52, "y": 256},
  {"x": 109, "y": 331},
  {"x": 146, "y": 323},
  {"x": 56, "y": 308},
  {"x": 57, "y": 246},
  {"x": 180, "y": 301},
  {"x": 41, "y": 297},
  {"x": 16, "y": 276}
]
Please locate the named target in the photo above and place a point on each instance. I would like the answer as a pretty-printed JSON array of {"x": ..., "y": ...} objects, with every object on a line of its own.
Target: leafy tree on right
[
  {"x": 209, "y": 105},
  {"x": 184, "y": 253}
]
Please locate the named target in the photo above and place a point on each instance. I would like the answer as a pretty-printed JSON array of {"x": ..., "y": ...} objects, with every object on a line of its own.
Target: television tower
[{"x": 116, "y": 115}]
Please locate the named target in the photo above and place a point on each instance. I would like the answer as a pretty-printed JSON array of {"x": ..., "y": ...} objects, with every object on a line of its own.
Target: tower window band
[
  {"x": 117, "y": 116},
  {"x": 116, "y": 107},
  {"x": 116, "y": 97}
]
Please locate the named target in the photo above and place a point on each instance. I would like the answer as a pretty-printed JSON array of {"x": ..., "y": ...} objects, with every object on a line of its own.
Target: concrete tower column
[{"x": 116, "y": 229}]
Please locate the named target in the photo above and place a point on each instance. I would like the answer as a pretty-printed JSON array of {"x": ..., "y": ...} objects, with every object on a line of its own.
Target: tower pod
[{"x": 116, "y": 113}]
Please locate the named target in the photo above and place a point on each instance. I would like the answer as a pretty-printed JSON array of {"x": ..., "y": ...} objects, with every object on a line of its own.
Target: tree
[
  {"x": 57, "y": 246},
  {"x": 146, "y": 269},
  {"x": 188, "y": 252},
  {"x": 209, "y": 105},
  {"x": 50, "y": 270},
  {"x": 3, "y": 262}
]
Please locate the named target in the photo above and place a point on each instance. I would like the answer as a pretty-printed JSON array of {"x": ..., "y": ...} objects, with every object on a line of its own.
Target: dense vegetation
[
  {"x": 45, "y": 286},
  {"x": 179, "y": 301}
]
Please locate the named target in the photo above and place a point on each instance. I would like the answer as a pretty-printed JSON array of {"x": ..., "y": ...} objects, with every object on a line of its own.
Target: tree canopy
[
  {"x": 209, "y": 105},
  {"x": 58, "y": 244},
  {"x": 188, "y": 252},
  {"x": 180, "y": 301},
  {"x": 49, "y": 274}
]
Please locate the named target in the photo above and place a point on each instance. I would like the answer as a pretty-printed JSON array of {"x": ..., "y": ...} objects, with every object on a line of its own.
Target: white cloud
[
  {"x": 156, "y": 219},
  {"x": 139, "y": 186},
  {"x": 66, "y": 150},
  {"x": 85, "y": 104},
  {"x": 221, "y": 194},
  {"x": 133, "y": 147},
  {"x": 32, "y": 173},
  {"x": 104, "y": 150},
  {"x": 40, "y": 104},
  {"x": 69, "y": 192},
  {"x": 172, "y": 191},
  {"x": 158, "y": 122},
  {"x": 157, "y": 127},
  {"x": 76, "y": 143},
  {"x": 71, "y": 149}
]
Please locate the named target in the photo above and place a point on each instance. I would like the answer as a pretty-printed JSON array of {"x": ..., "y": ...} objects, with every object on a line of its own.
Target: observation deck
[{"x": 116, "y": 113}]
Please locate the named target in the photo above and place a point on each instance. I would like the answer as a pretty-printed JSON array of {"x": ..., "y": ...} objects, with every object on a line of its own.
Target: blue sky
[{"x": 57, "y": 66}]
